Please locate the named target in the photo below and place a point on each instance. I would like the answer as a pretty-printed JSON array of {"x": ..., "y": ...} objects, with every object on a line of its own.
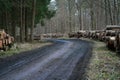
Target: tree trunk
[
  {"x": 70, "y": 15},
  {"x": 92, "y": 15},
  {"x": 79, "y": 15},
  {"x": 115, "y": 13},
  {"x": 26, "y": 25},
  {"x": 106, "y": 13},
  {"x": 21, "y": 21},
  {"x": 118, "y": 12},
  {"x": 110, "y": 12},
  {"x": 33, "y": 19}
]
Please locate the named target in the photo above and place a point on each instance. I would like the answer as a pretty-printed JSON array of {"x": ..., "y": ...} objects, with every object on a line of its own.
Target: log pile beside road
[
  {"x": 110, "y": 35},
  {"x": 6, "y": 40}
]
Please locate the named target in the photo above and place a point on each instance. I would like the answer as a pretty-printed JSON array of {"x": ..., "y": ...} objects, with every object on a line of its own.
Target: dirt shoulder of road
[
  {"x": 22, "y": 47},
  {"x": 104, "y": 64}
]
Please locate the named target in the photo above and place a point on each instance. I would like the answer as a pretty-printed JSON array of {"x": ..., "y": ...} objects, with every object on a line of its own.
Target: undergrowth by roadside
[
  {"x": 104, "y": 64},
  {"x": 21, "y": 47}
]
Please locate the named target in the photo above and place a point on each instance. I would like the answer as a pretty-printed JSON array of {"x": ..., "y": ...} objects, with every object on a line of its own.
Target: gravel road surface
[{"x": 60, "y": 61}]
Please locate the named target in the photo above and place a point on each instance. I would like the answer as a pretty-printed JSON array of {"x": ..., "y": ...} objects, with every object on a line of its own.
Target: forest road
[{"x": 63, "y": 60}]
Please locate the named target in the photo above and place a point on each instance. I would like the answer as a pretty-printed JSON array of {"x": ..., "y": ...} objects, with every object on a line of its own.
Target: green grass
[
  {"x": 9, "y": 52},
  {"x": 23, "y": 47},
  {"x": 104, "y": 64}
]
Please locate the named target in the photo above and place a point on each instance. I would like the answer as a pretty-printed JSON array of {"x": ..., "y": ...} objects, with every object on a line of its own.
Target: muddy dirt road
[{"x": 58, "y": 61}]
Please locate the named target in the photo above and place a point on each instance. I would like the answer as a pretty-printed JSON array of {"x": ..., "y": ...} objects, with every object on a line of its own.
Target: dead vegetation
[
  {"x": 21, "y": 47},
  {"x": 104, "y": 64}
]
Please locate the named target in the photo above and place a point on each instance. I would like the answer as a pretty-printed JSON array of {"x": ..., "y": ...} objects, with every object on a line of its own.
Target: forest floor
[
  {"x": 21, "y": 47},
  {"x": 104, "y": 64}
]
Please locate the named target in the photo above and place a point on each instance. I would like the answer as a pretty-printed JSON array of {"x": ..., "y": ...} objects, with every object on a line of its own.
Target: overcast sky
[{"x": 52, "y": 0}]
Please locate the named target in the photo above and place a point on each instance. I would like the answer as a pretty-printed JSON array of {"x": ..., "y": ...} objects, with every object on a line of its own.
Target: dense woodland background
[
  {"x": 25, "y": 18},
  {"x": 19, "y": 17}
]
